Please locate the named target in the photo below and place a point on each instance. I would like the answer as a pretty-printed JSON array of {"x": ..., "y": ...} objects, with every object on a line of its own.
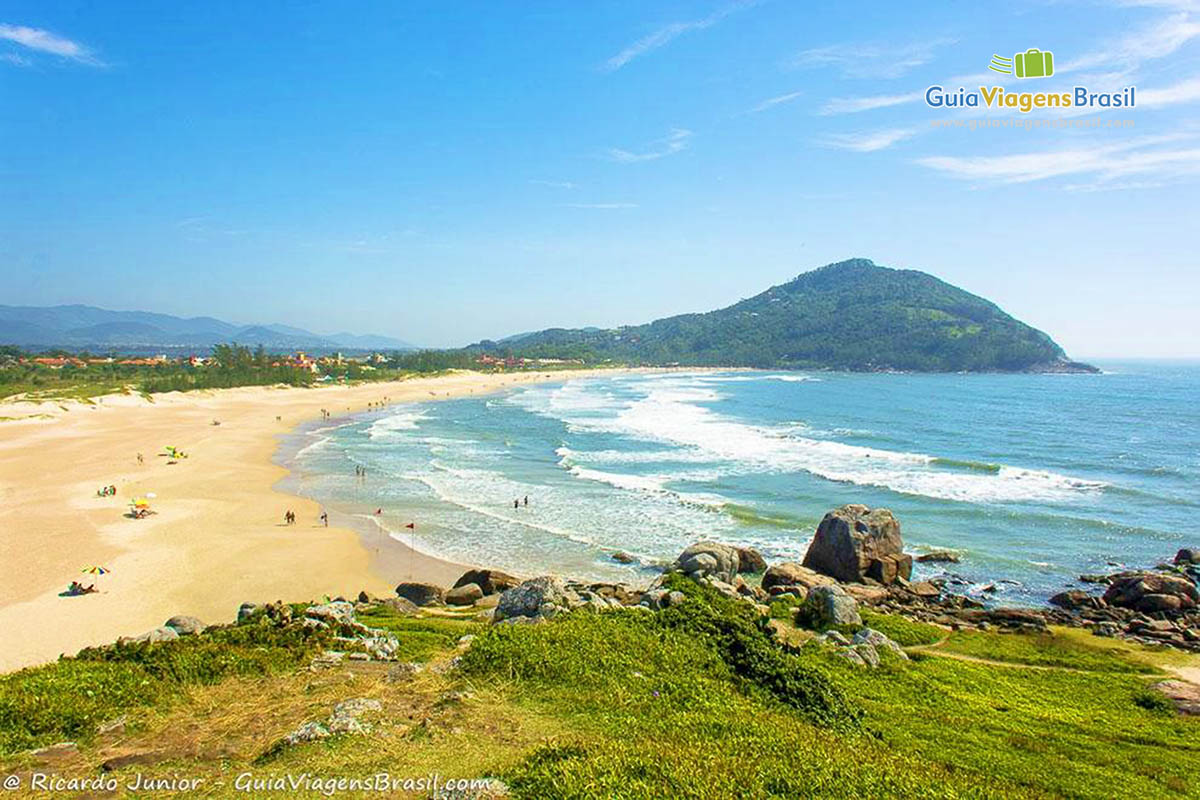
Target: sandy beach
[{"x": 217, "y": 538}]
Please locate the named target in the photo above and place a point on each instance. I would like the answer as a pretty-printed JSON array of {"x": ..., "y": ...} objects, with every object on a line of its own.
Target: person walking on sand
[
  {"x": 325, "y": 519},
  {"x": 141, "y": 460}
]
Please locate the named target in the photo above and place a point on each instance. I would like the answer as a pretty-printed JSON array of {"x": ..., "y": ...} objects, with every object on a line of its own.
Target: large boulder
[
  {"x": 709, "y": 559},
  {"x": 1151, "y": 591},
  {"x": 830, "y": 605},
  {"x": 852, "y": 538},
  {"x": 491, "y": 581},
  {"x": 789, "y": 574},
  {"x": 750, "y": 561},
  {"x": 536, "y": 598},
  {"x": 464, "y": 595},
  {"x": 337, "y": 612},
  {"x": 421, "y": 594}
]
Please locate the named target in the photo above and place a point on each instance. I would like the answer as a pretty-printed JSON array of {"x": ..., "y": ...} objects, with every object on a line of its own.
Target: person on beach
[
  {"x": 516, "y": 503},
  {"x": 141, "y": 460},
  {"x": 527, "y": 501},
  {"x": 324, "y": 519}
]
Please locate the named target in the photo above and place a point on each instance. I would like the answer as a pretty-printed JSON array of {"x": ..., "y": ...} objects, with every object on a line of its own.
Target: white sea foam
[
  {"x": 391, "y": 425},
  {"x": 674, "y": 412}
]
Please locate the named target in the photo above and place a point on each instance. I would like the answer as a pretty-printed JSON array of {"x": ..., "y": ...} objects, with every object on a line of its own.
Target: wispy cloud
[
  {"x": 853, "y": 105},
  {"x": 1159, "y": 39},
  {"x": 674, "y": 142},
  {"x": 42, "y": 41},
  {"x": 667, "y": 34},
  {"x": 600, "y": 205},
  {"x": 869, "y": 60},
  {"x": 1187, "y": 91},
  {"x": 771, "y": 102},
  {"x": 1147, "y": 157},
  {"x": 870, "y": 141},
  {"x": 552, "y": 184}
]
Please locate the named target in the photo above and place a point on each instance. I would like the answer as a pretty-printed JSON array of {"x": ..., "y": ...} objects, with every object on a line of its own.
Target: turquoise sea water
[{"x": 1033, "y": 479}]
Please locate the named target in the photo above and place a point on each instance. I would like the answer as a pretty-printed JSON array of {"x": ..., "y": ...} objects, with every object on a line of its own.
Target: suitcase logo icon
[{"x": 1033, "y": 63}]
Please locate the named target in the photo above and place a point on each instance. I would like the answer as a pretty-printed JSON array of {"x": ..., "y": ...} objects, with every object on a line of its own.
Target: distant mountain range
[
  {"x": 851, "y": 315},
  {"x": 85, "y": 327}
]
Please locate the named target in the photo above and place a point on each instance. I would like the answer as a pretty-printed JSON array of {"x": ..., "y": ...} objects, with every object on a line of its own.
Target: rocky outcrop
[
  {"x": 854, "y": 542},
  {"x": 1187, "y": 556},
  {"x": 535, "y": 599},
  {"x": 709, "y": 559},
  {"x": 491, "y": 581},
  {"x": 421, "y": 594},
  {"x": 1149, "y": 592}
]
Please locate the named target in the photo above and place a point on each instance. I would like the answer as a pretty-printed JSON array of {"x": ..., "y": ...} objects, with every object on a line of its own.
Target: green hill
[{"x": 852, "y": 315}]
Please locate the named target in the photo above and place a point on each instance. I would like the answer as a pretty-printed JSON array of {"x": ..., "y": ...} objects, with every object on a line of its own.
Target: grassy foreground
[{"x": 697, "y": 701}]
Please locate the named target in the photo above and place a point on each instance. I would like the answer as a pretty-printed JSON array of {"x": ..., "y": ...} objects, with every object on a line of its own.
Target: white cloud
[
  {"x": 870, "y": 141},
  {"x": 1157, "y": 40},
  {"x": 674, "y": 142},
  {"x": 13, "y": 58},
  {"x": 553, "y": 184},
  {"x": 667, "y": 34},
  {"x": 43, "y": 41},
  {"x": 871, "y": 61},
  {"x": 600, "y": 205},
  {"x": 1187, "y": 91},
  {"x": 853, "y": 105},
  {"x": 1104, "y": 162},
  {"x": 771, "y": 102}
]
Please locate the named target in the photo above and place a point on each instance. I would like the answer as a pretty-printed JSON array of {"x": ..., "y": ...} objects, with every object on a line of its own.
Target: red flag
[{"x": 412, "y": 525}]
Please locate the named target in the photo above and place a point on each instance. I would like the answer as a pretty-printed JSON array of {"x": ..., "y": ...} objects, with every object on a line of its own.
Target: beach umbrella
[{"x": 95, "y": 570}]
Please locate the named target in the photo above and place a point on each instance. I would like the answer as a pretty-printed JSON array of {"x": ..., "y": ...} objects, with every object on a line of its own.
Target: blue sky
[{"x": 445, "y": 171}]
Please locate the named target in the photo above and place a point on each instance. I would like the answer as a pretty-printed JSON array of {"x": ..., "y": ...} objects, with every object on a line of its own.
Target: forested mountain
[{"x": 850, "y": 315}]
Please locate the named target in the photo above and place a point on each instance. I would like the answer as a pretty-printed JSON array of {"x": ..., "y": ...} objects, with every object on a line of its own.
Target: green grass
[
  {"x": 905, "y": 632},
  {"x": 1042, "y": 650},
  {"x": 68, "y": 699},
  {"x": 420, "y": 637}
]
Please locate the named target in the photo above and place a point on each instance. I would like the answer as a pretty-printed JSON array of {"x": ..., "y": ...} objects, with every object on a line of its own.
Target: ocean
[{"x": 1031, "y": 479}]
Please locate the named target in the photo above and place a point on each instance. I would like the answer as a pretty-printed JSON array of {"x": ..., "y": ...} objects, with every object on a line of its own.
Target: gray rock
[
  {"x": 836, "y": 637},
  {"x": 308, "y": 732},
  {"x": 464, "y": 595},
  {"x": 400, "y": 605},
  {"x": 540, "y": 598},
  {"x": 184, "y": 625},
  {"x": 867, "y": 653},
  {"x": 713, "y": 559},
  {"x": 338, "y": 612},
  {"x": 879, "y": 641},
  {"x": 421, "y": 594},
  {"x": 622, "y": 557},
  {"x": 1187, "y": 555},
  {"x": 832, "y": 606},
  {"x": 849, "y": 539}
]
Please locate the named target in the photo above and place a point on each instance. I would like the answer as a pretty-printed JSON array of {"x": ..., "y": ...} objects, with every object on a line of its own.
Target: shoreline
[{"x": 217, "y": 538}]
